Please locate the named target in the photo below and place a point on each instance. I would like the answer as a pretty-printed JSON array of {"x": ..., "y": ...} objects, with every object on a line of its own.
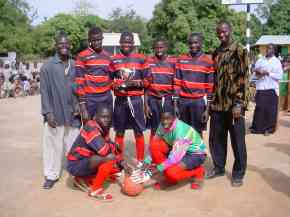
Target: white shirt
[{"x": 274, "y": 67}]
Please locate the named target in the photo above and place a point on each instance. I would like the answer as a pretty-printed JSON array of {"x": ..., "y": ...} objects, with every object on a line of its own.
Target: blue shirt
[{"x": 57, "y": 91}]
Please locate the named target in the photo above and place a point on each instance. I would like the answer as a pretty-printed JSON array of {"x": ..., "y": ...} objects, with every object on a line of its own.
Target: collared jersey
[
  {"x": 194, "y": 76},
  {"x": 91, "y": 141},
  {"x": 135, "y": 65},
  {"x": 161, "y": 76},
  {"x": 92, "y": 73}
]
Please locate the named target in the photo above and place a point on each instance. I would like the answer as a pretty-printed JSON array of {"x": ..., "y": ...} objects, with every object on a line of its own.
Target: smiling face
[
  {"x": 194, "y": 44},
  {"x": 167, "y": 119},
  {"x": 96, "y": 41},
  {"x": 126, "y": 44},
  {"x": 223, "y": 32},
  {"x": 63, "y": 46},
  {"x": 160, "y": 49}
]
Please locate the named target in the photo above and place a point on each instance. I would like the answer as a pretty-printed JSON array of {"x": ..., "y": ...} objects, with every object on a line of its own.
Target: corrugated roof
[
  {"x": 112, "y": 39},
  {"x": 274, "y": 39}
]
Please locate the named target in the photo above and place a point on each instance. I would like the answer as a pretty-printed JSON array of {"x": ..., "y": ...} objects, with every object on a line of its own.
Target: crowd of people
[
  {"x": 19, "y": 80},
  {"x": 172, "y": 96}
]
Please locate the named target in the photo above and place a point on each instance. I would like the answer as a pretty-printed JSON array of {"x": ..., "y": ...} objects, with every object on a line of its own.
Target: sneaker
[
  {"x": 214, "y": 173},
  {"x": 236, "y": 182},
  {"x": 48, "y": 184}
]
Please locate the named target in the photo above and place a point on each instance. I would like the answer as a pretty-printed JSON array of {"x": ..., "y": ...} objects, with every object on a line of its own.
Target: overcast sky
[{"x": 103, "y": 7}]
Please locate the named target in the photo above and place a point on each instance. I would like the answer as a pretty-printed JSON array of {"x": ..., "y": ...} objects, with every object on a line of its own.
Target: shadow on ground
[
  {"x": 284, "y": 123},
  {"x": 284, "y": 148},
  {"x": 276, "y": 179}
]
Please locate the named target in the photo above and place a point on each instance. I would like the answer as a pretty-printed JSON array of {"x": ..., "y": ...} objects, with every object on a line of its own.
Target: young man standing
[
  {"x": 160, "y": 92},
  {"x": 129, "y": 71},
  {"x": 93, "y": 84},
  {"x": 268, "y": 71},
  {"x": 58, "y": 107},
  {"x": 194, "y": 82},
  {"x": 230, "y": 97}
]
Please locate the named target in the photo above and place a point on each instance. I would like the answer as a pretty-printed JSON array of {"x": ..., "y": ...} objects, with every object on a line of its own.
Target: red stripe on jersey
[
  {"x": 105, "y": 150},
  {"x": 161, "y": 87},
  {"x": 195, "y": 85},
  {"x": 71, "y": 157},
  {"x": 98, "y": 62},
  {"x": 177, "y": 82},
  {"x": 195, "y": 68},
  {"x": 191, "y": 95},
  {"x": 130, "y": 93},
  {"x": 89, "y": 89},
  {"x": 162, "y": 70},
  {"x": 79, "y": 80},
  {"x": 84, "y": 152},
  {"x": 138, "y": 66},
  {"x": 96, "y": 78}
]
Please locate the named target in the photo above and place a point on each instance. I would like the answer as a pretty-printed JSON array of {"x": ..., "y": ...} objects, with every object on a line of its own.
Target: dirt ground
[{"x": 266, "y": 192}]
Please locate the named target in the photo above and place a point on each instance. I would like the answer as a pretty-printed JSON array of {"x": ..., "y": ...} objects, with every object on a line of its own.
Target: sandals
[
  {"x": 100, "y": 195},
  {"x": 81, "y": 184}
]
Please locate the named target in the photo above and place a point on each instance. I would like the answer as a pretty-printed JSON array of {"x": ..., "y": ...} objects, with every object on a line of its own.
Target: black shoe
[
  {"x": 236, "y": 182},
  {"x": 48, "y": 184},
  {"x": 214, "y": 173}
]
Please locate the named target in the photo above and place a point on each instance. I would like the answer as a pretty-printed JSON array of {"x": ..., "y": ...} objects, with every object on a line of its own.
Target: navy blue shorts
[
  {"x": 155, "y": 105},
  {"x": 191, "y": 111},
  {"x": 80, "y": 167},
  {"x": 192, "y": 161},
  {"x": 94, "y": 100},
  {"x": 122, "y": 117}
]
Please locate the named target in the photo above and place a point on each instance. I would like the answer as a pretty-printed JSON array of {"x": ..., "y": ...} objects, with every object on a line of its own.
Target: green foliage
[
  {"x": 44, "y": 33},
  {"x": 278, "y": 22},
  {"x": 175, "y": 19},
  {"x": 127, "y": 20},
  {"x": 14, "y": 27}
]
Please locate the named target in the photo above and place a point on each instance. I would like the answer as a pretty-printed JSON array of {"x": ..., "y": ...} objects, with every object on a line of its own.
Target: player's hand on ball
[{"x": 140, "y": 176}]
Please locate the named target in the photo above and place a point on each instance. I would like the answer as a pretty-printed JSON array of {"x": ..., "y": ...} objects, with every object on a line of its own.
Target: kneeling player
[
  {"x": 178, "y": 152},
  {"x": 93, "y": 158}
]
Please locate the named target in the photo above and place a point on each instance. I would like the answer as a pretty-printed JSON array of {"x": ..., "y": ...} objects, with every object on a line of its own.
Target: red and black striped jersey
[
  {"x": 161, "y": 74},
  {"x": 194, "y": 76},
  {"x": 92, "y": 73},
  {"x": 135, "y": 65},
  {"x": 91, "y": 141}
]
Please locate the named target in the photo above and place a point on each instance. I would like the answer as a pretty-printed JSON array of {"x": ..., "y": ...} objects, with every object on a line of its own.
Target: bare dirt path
[{"x": 266, "y": 192}]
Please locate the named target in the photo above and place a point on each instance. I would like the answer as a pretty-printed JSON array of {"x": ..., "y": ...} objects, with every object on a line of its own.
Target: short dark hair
[
  {"x": 224, "y": 22},
  {"x": 60, "y": 34},
  {"x": 195, "y": 34},
  {"x": 94, "y": 30},
  {"x": 126, "y": 34},
  {"x": 103, "y": 107},
  {"x": 160, "y": 40}
]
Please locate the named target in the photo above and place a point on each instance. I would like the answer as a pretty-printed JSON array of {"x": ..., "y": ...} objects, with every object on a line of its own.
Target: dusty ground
[{"x": 266, "y": 192}]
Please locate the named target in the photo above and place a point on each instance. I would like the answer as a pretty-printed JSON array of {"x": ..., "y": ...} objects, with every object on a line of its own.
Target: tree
[
  {"x": 15, "y": 27},
  {"x": 175, "y": 19},
  {"x": 44, "y": 34},
  {"x": 278, "y": 20},
  {"x": 127, "y": 20}
]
